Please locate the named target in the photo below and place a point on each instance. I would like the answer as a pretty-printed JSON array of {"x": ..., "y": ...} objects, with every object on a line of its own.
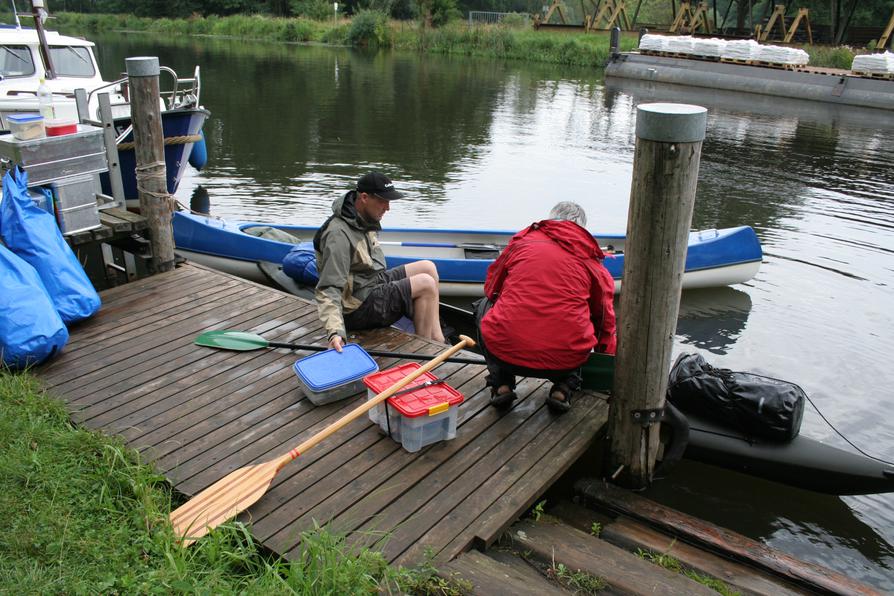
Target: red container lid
[
  {"x": 59, "y": 127},
  {"x": 425, "y": 401}
]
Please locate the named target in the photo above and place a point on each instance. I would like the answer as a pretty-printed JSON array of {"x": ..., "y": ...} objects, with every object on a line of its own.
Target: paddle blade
[
  {"x": 232, "y": 340},
  {"x": 223, "y": 500}
]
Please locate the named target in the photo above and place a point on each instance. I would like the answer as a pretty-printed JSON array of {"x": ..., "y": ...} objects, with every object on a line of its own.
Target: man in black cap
[{"x": 355, "y": 290}]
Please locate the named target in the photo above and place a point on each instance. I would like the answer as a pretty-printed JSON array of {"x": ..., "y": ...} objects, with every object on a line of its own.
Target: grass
[
  {"x": 493, "y": 41},
  {"x": 82, "y": 514},
  {"x": 672, "y": 564},
  {"x": 578, "y": 582}
]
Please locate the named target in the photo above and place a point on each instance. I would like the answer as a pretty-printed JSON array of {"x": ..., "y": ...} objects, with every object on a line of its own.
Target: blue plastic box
[{"x": 330, "y": 376}]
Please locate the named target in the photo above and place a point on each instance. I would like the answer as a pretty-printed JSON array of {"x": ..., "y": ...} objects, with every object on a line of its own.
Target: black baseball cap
[{"x": 377, "y": 183}]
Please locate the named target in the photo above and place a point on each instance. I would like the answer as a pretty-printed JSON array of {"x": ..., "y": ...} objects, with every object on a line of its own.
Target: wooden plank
[
  {"x": 79, "y": 238},
  {"x": 323, "y": 490},
  {"x": 555, "y": 543},
  {"x": 200, "y": 472},
  {"x": 118, "y": 347},
  {"x": 498, "y": 499},
  {"x": 149, "y": 306},
  {"x": 456, "y": 501},
  {"x": 116, "y": 224},
  {"x": 110, "y": 341},
  {"x": 121, "y": 351},
  {"x": 174, "y": 357},
  {"x": 207, "y": 422},
  {"x": 166, "y": 379},
  {"x": 398, "y": 472},
  {"x": 631, "y": 535},
  {"x": 722, "y": 540},
  {"x": 229, "y": 371},
  {"x": 492, "y": 577},
  {"x": 96, "y": 336},
  {"x": 138, "y": 222}
]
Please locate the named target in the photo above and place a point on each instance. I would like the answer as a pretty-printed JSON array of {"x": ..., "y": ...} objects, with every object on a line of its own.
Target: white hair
[{"x": 570, "y": 211}]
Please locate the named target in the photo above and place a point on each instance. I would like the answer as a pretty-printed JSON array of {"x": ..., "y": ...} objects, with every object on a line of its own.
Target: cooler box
[
  {"x": 330, "y": 376},
  {"x": 598, "y": 372},
  {"x": 417, "y": 418}
]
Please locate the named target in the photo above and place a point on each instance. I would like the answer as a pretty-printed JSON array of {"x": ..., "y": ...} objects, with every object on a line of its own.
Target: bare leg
[{"x": 424, "y": 288}]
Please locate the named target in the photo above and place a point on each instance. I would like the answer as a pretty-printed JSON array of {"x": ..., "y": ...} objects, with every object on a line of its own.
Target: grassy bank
[
  {"x": 83, "y": 515},
  {"x": 369, "y": 28}
]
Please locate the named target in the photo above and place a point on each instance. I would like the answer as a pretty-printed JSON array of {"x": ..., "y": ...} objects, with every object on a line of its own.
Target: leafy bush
[
  {"x": 369, "y": 28},
  {"x": 319, "y": 10}
]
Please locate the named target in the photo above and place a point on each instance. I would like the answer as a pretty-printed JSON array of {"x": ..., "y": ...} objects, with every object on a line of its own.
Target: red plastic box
[
  {"x": 417, "y": 418},
  {"x": 57, "y": 128}
]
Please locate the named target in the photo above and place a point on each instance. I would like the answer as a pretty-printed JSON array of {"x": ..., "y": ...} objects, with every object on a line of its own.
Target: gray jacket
[{"x": 349, "y": 261}]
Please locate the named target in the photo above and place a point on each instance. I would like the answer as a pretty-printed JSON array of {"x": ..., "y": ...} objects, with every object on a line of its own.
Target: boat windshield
[
  {"x": 72, "y": 61},
  {"x": 16, "y": 61}
]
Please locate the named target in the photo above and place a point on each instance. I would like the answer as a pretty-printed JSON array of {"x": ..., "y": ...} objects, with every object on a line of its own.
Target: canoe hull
[{"x": 715, "y": 257}]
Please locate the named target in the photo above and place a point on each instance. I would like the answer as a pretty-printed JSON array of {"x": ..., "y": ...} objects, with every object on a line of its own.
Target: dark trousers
[{"x": 503, "y": 373}]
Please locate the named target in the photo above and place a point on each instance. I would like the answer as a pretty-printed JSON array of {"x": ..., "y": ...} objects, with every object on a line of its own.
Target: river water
[{"x": 492, "y": 145}]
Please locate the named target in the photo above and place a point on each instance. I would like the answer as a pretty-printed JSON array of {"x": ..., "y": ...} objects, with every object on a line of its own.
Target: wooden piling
[
  {"x": 155, "y": 202},
  {"x": 662, "y": 196}
]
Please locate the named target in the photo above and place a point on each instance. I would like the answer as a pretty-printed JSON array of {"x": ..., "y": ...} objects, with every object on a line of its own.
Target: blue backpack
[
  {"x": 32, "y": 233},
  {"x": 30, "y": 328},
  {"x": 301, "y": 264}
]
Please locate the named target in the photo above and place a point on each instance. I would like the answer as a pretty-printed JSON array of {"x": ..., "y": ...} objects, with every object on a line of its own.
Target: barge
[{"x": 798, "y": 82}]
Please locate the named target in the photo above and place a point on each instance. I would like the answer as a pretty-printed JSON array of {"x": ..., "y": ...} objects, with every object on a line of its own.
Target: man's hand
[{"x": 336, "y": 343}]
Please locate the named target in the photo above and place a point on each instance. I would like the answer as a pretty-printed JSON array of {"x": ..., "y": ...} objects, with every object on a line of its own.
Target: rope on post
[
  {"x": 178, "y": 140},
  {"x": 154, "y": 171}
]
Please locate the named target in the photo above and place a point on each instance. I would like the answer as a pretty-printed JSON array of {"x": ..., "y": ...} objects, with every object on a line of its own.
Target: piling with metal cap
[
  {"x": 662, "y": 196},
  {"x": 155, "y": 202}
]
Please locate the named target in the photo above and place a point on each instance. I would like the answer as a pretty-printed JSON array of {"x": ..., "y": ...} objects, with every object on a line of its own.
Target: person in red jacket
[{"x": 548, "y": 303}]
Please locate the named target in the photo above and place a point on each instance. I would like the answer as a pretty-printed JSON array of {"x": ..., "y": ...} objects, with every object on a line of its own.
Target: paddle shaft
[
  {"x": 370, "y": 404},
  {"x": 407, "y": 355}
]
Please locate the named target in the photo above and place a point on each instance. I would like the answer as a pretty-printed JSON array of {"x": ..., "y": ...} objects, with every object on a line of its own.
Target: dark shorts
[{"x": 390, "y": 299}]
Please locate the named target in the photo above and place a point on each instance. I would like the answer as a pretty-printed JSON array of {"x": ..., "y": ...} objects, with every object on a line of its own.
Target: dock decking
[{"x": 198, "y": 414}]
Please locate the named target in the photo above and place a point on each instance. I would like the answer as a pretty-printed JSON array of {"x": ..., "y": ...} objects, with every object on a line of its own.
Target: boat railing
[{"x": 183, "y": 92}]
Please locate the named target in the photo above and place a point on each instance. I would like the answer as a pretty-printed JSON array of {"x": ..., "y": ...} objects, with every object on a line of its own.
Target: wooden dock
[{"x": 197, "y": 414}]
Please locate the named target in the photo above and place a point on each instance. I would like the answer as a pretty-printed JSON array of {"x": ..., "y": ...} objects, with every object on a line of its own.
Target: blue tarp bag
[
  {"x": 30, "y": 328},
  {"x": 301, "y": 264},
  {"x": 32, "y": 234}
]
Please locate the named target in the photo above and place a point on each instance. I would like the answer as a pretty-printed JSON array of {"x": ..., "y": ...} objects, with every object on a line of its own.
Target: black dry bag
[{"x": 756, "y": 405}]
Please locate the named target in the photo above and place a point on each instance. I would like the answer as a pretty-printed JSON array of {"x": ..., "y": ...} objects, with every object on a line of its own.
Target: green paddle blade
[{"x": 232, "y": 340}]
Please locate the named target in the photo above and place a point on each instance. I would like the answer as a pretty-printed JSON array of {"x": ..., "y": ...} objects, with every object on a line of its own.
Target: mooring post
[
  {"x": 665, "y": 170},
  {"x": 155, "y": 202}
]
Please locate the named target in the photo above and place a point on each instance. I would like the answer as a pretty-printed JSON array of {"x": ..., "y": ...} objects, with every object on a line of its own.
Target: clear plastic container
[
  {"x": 25, "y": 127},
  {"x": 418, "y": 418},
  {"x": 329, "y": 376}
]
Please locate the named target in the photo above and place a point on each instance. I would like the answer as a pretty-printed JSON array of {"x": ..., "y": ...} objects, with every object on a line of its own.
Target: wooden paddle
[
  {"x": 241, "y": 341},
  {"x": 239, "y": 490}
]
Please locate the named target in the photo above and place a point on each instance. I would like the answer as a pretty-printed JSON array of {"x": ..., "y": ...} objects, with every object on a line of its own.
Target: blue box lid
[
  {"x": 325, "y": 370},
  {"x": 19, "y": 118}
]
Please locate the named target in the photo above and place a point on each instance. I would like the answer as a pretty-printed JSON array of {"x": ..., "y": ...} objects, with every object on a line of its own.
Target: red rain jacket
[{"x": 551, "y": 296}]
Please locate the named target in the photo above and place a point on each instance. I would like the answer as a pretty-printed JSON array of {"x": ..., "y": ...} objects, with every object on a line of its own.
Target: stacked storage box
[
  {"x": 70, "y": 164},
  {"x": 417, "y": 418}
]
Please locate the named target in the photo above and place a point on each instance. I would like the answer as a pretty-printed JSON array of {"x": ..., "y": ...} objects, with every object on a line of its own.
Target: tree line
[{"x": 737, "y": 13}]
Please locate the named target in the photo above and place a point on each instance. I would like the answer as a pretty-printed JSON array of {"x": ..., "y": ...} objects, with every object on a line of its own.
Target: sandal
[
  {"x": 559, "y": 406},
  {"x": 501, "y": 400}
]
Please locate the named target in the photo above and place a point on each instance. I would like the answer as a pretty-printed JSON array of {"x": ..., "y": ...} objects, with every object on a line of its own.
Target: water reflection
[
  {"x": 712, "y": 319},
  {"x": 784, "y": 517}
]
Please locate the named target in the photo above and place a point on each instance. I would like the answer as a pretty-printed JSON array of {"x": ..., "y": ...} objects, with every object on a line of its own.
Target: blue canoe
[{"x": 715, "y": 257}]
